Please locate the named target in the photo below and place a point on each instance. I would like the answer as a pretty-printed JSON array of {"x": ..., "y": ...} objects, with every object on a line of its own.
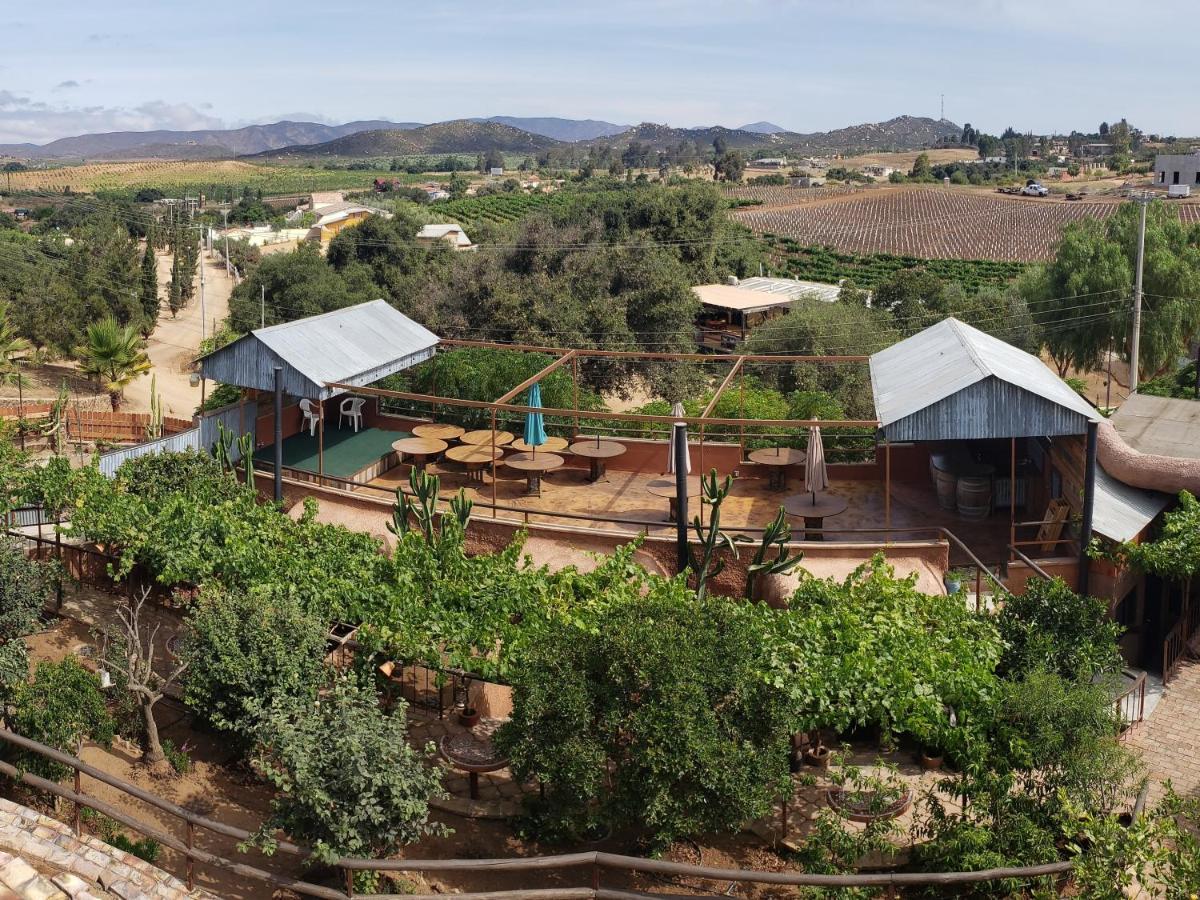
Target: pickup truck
[{"x": 1035, "y": 189}]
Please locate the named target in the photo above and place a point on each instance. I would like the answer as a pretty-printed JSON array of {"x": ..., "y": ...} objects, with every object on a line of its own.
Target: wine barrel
[
  {"x": 974, "y": 496},
  {"x": 947, "y": 488}
]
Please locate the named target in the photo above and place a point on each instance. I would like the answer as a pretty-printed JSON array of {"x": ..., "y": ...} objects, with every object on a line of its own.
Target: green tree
[
  {"x": 921, "y": 167},
  {"x": 149, "y": 285},
  {"x": 246, "y": 650},
  {"x": 13, "y": 349},
  {"x": 347, "y": 780},
  {"x": 655, "y": 717},
  {"x": 114, "y": 355},
  {"x": 25, "y": 588},
  {"x": 61, "y": 707},
  {"x": 1051, "y": 627}
]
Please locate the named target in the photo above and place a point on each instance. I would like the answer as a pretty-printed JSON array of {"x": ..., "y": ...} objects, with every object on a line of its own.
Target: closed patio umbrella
[
  {"x": 678, "y": 412},
  {"x": 535, "y": 427},
  {"x": 816, "y": 476}
]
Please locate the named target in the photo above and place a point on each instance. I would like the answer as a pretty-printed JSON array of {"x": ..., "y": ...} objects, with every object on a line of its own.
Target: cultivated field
[
  {"x": 927, "y": 222},
  {"x": 175, "y": 176}
]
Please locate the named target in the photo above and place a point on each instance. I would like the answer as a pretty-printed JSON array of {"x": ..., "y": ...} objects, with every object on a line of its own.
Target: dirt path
[{"x": 174, "y": 343}]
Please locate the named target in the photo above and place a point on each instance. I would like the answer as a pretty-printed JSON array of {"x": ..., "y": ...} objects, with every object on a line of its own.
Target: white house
[{"x": 448, "y": 233}]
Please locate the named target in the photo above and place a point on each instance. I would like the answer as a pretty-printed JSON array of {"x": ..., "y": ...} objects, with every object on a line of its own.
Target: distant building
[
  {"x": 729, "y": 312},
  {"x": 770, "y": 162},
  {"x": 429, "y": 235},
  {"x": 332, "y": 213},
  {"x": 1177, "y": 168},
  {"x": 1091, "y": 151},
  {"x": 878, "y": 171},
  {"x": 807, "y": 181},
  {"x": 497, "y": 171}
]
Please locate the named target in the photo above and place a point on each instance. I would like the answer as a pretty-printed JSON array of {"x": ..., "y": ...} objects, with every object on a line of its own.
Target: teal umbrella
[{"x": 535, "y": 428}]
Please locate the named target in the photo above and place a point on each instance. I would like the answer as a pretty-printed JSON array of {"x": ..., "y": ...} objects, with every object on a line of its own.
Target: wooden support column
[
  {"x": 575, "y": 379},
  {"x": 493, "y": 463},
  {"x": 887, "y": 488},
  {"x": 320, "y": 438},
  {"x": 1012, "y": 495},
  {"x": 1089, "y": 504}
]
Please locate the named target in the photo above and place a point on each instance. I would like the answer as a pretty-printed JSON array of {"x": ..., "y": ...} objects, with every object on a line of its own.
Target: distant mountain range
[{"x": 505, "y": 133}]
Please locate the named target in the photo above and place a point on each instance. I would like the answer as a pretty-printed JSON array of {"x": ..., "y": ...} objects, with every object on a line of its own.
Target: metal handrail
[{"x": 597, "y": 861}]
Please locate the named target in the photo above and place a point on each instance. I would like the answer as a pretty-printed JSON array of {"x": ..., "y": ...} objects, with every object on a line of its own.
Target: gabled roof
[
  {"x": 973, "y": 385},
  {"x": 356, "y": 345}
]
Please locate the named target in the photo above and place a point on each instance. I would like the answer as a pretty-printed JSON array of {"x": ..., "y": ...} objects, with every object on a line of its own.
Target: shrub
[
  {"x": 61, "y": 707},
  {"x": 177, "y": 756},
  {"x": 654, "y": 716},
  {"x": 348, "y": 781},
  {"x": 25, "y": 588},
  {"x": 248, "y": 649},
  {"x": 1051, "y": 627}
]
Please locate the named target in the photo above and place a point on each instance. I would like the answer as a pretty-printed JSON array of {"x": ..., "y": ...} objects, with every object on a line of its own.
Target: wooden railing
[
  {"x": 1176, "y": 642},
  {"x": 1130, "y": 704},
  {"x": 597, "y": 864}
]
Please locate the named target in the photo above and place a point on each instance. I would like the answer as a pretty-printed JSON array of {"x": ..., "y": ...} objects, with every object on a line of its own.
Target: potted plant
[
  {"x": 468, "y": 715},
  {"x": 956, "y": 580},
  {"x": 931, "y": 757},
  {"x": 817, "y": 753}
]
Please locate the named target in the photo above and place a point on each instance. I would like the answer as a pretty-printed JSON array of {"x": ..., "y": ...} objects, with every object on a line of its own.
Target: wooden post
[
  {"x": 349, "y": 882},
  {"x": 493, "y": 463},
  {"x": 887, "y": 488},
  {"x": 278, "y": 434},
  {"x": 1012, "y": 494},
  {"x": 575, "y": 379},
  {"x": 742, "y": 415},
  {"x": 1089, "y": 503},
  {"x": 78, "y": 823},
  {"x": 679, "y": 447},
  {"x": 321, "y": 440},
  {"x": 191, "y": 863}
]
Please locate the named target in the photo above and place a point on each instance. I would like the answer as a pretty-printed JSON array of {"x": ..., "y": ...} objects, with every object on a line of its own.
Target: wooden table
[
  {"x": 665, "y": 487},
  {"x": 814, "y": 514},
  {"x": 438, "y": 431},
  {"x": 596, "y": 451},
  {"x": 475, "y": 458},
  {"x": 467, "y": 753},
  {"x": 778, "y": 458},
  {"x": 419, "y": 448},
  {"x": 552, "y": 445},
  {"x": 534, "y": 465},
  {"x": 484, "y": 437}
]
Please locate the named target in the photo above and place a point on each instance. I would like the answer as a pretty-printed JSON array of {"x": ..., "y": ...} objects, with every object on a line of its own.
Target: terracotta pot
[
  {"x": 930, "y": 761},
  {"x": 818, "y": 757},
  {"x": 469, "y": 717}
]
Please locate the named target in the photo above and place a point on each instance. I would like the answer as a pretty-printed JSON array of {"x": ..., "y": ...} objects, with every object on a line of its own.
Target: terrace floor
[
  {"x": 347, "y": 452},
  {"x": 751, "y": 503}
]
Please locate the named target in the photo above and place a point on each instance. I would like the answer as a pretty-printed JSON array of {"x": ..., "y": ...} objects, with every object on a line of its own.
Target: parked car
[{"x": 1035, "y": 189}]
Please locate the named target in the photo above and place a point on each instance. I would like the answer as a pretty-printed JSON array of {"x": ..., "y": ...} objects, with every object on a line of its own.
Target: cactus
[
  {"x": 422, "y": 507},
  {"x": 55, "y": 430},
  {"x": 245, "y": 446},
  {"x": 777, "y": 534},
  {"x": 154, "y": 428},
  {"x": 712, "y": 538}
]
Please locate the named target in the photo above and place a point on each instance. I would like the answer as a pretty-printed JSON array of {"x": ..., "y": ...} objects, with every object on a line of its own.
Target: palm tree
[
  {"x": 114, "y": 355},
  {"x": 13, "y": 349}
]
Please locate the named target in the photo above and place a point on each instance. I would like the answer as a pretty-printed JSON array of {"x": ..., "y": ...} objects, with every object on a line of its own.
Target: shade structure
[
  {"x": 535, "y": 427},
  {"x": 816, "y": 475},
  {"x": 677, "y": 412}
]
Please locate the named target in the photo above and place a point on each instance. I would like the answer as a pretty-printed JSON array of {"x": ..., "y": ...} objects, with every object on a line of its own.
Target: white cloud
[
  {"x": 23, "y": 119},
  {"x": 66, "y": 85}
]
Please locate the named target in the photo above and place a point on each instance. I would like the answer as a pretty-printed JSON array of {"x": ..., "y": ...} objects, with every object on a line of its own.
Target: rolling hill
[
  {"x": 762, "y": 128},
  {"x": 663, "y": 136},
  {"x": 561, "y": 129},
  {"x": 459, "y": 136},
  {"x": 900, "y": 133}
]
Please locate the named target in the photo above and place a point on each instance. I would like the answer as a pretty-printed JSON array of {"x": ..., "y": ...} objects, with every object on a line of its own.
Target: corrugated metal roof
[
  {"x": 1120, "y": 512},
  {"x": 356, "y": 345},
  {"x": 1160, "y": 425},
  {"x": 945, "y": 360}
]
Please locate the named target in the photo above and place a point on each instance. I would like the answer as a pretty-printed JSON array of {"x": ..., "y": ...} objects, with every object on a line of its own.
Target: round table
[
  {"x": 596, "y": 452},
  {"x": 475, "y": 458},
  {"x": 778, "y": 458},
  {"x": 552, "y": 445},
  {"x": 814, "y": 514},
  {"x": 419, "y": 448},
  {"x": 665, "y": 487},
  {"x": 438, "y": 431},
  {"x": 483, "y": 437},
  {"x": 534, "y": 465},
  {"x": 467, "y": 753}
]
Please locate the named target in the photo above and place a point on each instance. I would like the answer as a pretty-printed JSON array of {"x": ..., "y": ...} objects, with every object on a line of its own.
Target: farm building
[
  {"x": 451, "y": 234},
  {"x": 769, "y": 162},
  {"x": 731, "y": 311},
  {"x": 334, "y": 215},
  {"x": 1177, "y": 168}
]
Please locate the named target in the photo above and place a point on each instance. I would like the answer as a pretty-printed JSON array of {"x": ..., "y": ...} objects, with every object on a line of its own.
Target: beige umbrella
[
  {"x": 677, "y": 412},
  {"x": 816, "y": 476}
]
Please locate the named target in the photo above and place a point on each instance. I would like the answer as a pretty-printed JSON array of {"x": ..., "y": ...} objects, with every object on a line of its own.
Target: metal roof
[
  {"x": 356, "y": 345},
  {"x": 1121, "y": 512},
  {"x": 753, "y": 294},
  {"x": 1163, "y": 426},
  {"x": 952, "y": 381}
]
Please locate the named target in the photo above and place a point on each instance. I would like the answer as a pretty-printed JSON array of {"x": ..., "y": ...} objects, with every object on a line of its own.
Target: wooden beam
[
  {"x": 533, "y": 379},
  {"x": 320, "y": 438},
  {"x": 604, "y": 414},
  {"x": 637, "y": 354},
  {"x": 712, "y": 404}
]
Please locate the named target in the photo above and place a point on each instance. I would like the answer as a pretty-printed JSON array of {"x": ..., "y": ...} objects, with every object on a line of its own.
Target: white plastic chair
[
  {"x": 310, "y": 416},
  {"x": 352, "y": 408}
]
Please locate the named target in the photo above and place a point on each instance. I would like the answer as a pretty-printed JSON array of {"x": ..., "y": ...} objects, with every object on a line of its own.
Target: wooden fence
[{"x": 96, "y": 424}]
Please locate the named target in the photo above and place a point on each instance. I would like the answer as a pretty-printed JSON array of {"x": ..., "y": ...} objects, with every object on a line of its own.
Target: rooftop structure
[
  {"x": 1161, "y": 425},
  {"x": 449, "y": 233},
  {"x": 355, "y": 346}
]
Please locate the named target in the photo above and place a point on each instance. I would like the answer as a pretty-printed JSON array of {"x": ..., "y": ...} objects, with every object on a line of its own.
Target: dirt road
[{"x": 174, "y": 343}]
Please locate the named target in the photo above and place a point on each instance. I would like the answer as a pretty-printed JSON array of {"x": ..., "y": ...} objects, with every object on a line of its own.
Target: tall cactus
[
  {"x": 777, "y": 534},
  {"x": 712, "y": 538},
  {"x": 154, "y": 428},
  {"x": 422, "y": 508}
]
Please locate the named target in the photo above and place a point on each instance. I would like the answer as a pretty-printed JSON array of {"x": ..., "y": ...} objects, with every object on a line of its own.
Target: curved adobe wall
[{"x": 1169, "y": 474}]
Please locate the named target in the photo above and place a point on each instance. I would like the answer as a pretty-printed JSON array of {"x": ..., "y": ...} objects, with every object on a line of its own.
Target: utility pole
[
  {"x": 263, "y": 306},
  {"x": 1143, "y": 200},
  {"x": 225, "y": 213},
  {"x": 203, "y": 314}
]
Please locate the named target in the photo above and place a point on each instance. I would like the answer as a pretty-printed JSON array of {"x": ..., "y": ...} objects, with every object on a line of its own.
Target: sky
[{"x": 146, "y": 64}]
